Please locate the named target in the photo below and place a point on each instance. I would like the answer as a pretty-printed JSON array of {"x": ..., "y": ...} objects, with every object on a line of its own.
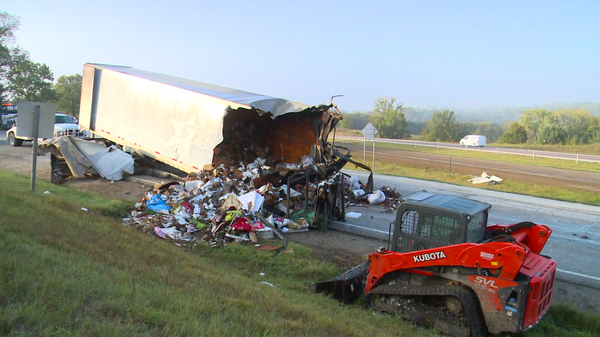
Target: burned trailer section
[{"x": 286, "y": 138}]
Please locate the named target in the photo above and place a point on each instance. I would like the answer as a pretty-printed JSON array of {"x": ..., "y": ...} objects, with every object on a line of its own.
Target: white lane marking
[
  {"x": 579, "y": 275},
  {"x": 358, "y": 227},
  {"x": 141, "y": 179}
]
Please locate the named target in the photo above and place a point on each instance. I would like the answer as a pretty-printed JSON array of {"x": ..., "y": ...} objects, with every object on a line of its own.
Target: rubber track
[{"x": 465, "y": 295}]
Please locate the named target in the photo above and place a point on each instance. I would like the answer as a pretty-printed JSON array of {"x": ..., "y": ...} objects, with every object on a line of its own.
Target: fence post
[
  {"x": 533, "y": 154},
  {"x": 415, "y": 144},
  {"x": 497, "y": 151},
  {"x": 438, "y": 146},
  {"x": 578, "y": 159},
  {"x": 451, "y": 165}
]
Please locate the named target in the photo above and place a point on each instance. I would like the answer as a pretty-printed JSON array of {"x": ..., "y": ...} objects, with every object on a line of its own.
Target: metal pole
[
  {"x": 36, "y": 125},
  {"x": 365, "y": 149},
  {"x": 287, "y": 211},
  {"x": 578, "y": 159},
  {"x": 450, "y": 165},
  {"x": 333, "y": 142},
  {"x": 497, "y": 151},
  {"x": 533, "y": 154},
  {"x": 373, "y": 154}
]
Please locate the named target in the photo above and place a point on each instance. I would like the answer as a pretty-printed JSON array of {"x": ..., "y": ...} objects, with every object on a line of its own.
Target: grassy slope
[{"x": 68, "y": 272}]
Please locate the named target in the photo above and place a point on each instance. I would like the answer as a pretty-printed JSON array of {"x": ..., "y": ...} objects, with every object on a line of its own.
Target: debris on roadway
[{"x": 486, "y": 178}]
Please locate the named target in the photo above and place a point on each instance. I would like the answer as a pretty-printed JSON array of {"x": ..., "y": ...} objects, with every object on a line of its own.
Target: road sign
[
  {"x": 26, "y": 116},
  {"x": 369, "y": 131}
]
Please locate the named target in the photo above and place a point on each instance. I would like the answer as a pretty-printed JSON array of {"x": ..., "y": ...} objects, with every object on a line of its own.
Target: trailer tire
[{"x": 12, "y": 139}]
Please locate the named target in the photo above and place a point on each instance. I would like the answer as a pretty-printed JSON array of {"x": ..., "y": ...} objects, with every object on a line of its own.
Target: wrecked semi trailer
[
  {"x": 192, "y": 125},
  {"x": 203, "y": 128}
]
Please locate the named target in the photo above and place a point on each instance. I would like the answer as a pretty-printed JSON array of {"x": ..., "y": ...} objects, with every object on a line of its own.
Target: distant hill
[{"x": 498, "y": 115}]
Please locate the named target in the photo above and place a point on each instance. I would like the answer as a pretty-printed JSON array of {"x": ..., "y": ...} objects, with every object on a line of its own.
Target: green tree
[
  {"x": 389, "y": 118},
  {"x": 21, "y": 78},
  {"x": 68, "y": 94},
  {"x": 515, "y": 134},
  {"x": 463, "y": 129},
  {"x": 441, "y": 127},
  {"x": 8, "y": 25},
  {"x": 28, "y": 80},
  {"x": 552, "y": 134},
  {"x": 359, "y": 120},
  {"x": 345, "y": 123},
  {"x": 594, "y": 130},
  {"x": 534, "y": 120},
  {"x": 491, "y": 131},
  {"x": 576, "y": 124}
]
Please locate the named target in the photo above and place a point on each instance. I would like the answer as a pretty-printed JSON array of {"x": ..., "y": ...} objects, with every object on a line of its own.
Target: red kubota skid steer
[{"x": 447, "y": 269}]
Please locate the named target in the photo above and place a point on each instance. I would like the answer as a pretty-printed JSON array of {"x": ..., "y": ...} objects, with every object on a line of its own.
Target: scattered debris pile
[
  {"x": 486, "y": 178},
  {"x": 244, "y": 203}
]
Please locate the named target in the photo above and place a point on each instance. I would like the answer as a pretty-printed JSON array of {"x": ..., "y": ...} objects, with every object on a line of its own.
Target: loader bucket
[{"x": 346, "y": 287}]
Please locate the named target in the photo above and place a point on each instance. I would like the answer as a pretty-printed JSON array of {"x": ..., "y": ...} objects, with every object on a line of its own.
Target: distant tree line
[
  {"x": 23, "y": 79},
  {"x": 539, "y": 126},
  {"x": 575, "y": 127}
]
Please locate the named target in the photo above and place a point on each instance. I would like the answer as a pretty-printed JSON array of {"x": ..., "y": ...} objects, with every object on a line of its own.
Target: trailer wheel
[{"x": 13, "y": 141}]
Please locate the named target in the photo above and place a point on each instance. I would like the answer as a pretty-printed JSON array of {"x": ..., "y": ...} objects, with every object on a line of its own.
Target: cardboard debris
[{"x": 486, "y": 178}]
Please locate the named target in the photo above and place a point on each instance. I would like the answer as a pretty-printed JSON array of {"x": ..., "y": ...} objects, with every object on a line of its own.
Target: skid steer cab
[{"x": 446, "y": 268}]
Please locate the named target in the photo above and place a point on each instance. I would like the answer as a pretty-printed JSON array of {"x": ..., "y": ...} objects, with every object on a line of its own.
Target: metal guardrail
[{"x": 497, "y": 150}]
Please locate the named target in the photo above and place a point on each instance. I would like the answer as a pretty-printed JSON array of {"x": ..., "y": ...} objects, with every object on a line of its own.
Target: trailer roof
[{"x": 276, "y": 106}]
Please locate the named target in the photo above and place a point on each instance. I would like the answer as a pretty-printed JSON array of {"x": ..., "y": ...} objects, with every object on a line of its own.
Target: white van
[{"x": 473, "y": 140}]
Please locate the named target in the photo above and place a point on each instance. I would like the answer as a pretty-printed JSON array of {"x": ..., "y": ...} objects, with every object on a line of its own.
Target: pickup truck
[{"x": 64, "y": 125}]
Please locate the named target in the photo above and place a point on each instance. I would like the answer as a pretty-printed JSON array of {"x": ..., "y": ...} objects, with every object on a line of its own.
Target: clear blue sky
[{"x": 447, "y": 54}]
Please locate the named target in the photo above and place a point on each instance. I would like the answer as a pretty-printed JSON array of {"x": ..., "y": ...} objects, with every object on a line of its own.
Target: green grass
[
  {"x": 68, "y": 272},
  {"x": 544, "y": 191},
  {"x": 564, "y": 320},
  {"x": 470, "y": 153},
  {"x": 591, "y": 149}
]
